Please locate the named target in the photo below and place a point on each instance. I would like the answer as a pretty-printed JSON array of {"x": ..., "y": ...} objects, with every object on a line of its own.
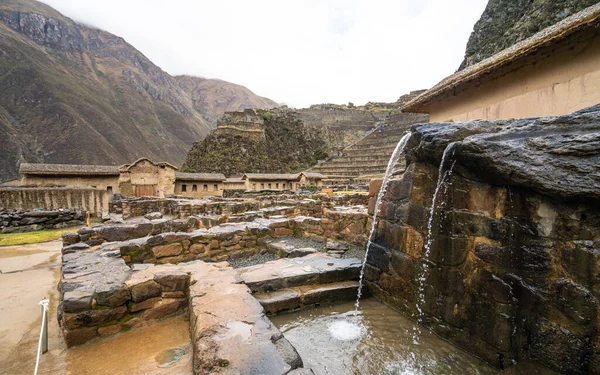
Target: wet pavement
[{"x": 31, "y": 272}]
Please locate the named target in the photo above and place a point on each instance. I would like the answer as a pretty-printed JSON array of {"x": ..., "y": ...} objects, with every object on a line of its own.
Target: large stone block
[
  {"x": 145, "y": 290},
  {"x": 92, "y": 317},
  {"x": 172, "y": 281}
]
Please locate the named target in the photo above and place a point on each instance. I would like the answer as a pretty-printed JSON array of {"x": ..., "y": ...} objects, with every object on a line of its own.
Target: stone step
[
  {"x": 306, "y": 295},
  {"x": 311, "y": 269}
]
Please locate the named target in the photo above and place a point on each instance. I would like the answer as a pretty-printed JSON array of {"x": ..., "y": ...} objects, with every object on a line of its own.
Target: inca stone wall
[
  {"x": 513, "y": 263},
  {"x": 12, "y": 221},
  {"x": 54, "y": 198}
]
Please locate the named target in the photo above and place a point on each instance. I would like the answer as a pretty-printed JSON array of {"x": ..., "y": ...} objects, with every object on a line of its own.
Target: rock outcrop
[
  {"x": 513, "y": 256},
  {"x": 274, "y": 141},
  {"x": 506, "y": 22}
]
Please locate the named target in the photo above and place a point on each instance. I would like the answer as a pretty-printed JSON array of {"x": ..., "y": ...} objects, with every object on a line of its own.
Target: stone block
[
  {"x": 172, "y": 281},
  {"x": 70, "y": 238},
  {"x": 76, "y": 301},
  {"x": 145, "y": 304},
  {"x": 164, "y": 308},
  {"x": 197, "y": 248},
  {"x": 141, "y": 230},
  {"x": 112, "y": 295},
  {"x": 167, "y": 250},
  {"x": 115, "y": 233},
  {"x": 92, "y": 317},
  {"x": 282, "y": 232},
  {"x": 145, "y": 290}
]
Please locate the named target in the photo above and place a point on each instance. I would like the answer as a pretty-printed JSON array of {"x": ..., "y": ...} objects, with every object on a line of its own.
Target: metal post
[{"x": 45, "y": 325}]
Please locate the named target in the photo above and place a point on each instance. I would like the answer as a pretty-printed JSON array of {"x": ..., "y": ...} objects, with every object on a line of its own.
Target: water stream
[
  {"x": 427, "y": 249},
  {"x": 386, "y": 179}
]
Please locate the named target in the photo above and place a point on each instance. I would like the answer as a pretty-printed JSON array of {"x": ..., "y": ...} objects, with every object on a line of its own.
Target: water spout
[
  {"x": 421, "y": 291},
  {"x": 386, "y": 178}
]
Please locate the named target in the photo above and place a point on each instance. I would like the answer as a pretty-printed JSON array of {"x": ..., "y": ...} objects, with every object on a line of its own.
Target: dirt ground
[{"x": 31, "y": 272}]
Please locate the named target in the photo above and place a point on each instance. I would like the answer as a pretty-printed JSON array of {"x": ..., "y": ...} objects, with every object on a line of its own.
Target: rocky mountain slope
[
  {"x": 74, "y": 94},
  {"x": 213, "y": 97},
  {"x": 506, "y": 22},
  {"x": 284, "y": 140}
]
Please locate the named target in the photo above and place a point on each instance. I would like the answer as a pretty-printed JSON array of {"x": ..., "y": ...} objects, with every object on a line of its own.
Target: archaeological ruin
[{"x": 454, "y": 231}]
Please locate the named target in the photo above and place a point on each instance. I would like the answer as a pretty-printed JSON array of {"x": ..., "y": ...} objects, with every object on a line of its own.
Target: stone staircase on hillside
[
  {"x": 364, "y": 160},
  {"x": 368, "y": 158}
]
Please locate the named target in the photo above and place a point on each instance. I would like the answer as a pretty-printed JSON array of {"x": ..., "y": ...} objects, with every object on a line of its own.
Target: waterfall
[
  {"x": 386, "y": 178},
  {"x": 421, "y": 291}
]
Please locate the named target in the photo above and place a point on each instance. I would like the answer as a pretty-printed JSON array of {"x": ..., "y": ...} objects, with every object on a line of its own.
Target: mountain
[
  {"x": 506, "y": 22},
  {"x": 213, "y": 97},
  {"x": 74, "y": 94}
]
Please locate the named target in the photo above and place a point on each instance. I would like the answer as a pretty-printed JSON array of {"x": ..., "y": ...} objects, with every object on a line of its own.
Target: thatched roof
[
  {"x": 313, "y": 175},
  {"x": 508, "y": 57},
  {"x": 271, "y": 176},
  {"x": 199, "y": 176},
  {"x": 68, "y": 169}
]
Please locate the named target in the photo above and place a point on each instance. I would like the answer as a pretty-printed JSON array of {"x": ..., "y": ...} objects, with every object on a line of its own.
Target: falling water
[
  {"x": 388, "y": 172},
  {"x": 421, "y": 291}
]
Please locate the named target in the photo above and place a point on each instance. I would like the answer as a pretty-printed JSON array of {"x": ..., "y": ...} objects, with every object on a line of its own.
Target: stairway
[
  {"x": 368, "y": 158},
  {"x": 292, "y": 283}
]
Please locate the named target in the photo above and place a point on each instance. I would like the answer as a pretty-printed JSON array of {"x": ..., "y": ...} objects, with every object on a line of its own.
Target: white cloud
[{"x": 297, "y": 52}]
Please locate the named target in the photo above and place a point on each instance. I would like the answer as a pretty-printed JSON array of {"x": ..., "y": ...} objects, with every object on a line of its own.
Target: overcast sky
[{"x": 295, "y": 52}]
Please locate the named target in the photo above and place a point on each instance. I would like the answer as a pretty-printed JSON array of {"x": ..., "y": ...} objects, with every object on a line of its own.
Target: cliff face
[
  {"x": 506, "y": 22},
  {"x": 275, "y": 141},
  {"x": 73, "y": 94}
]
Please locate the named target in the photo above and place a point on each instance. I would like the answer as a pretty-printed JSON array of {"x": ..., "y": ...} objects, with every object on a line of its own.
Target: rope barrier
[{"x": 44, "y": 303}]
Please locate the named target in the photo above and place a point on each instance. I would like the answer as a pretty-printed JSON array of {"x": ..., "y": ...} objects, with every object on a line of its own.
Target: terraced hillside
[{"x": 368, "y": 157}]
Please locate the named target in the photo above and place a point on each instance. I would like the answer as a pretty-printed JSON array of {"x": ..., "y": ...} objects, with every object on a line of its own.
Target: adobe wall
[
  {"x": 54, "y": 198},
  {"x": 100, "y": 182},
  {"x": 200, "y": 192},
  {"x": 554, "y": 82}
]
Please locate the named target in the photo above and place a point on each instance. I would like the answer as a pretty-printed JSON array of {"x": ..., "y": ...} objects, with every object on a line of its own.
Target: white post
[{"x": 43, "y": 343}]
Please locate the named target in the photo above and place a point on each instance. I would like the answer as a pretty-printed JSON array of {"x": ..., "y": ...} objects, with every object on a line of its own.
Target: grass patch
[{"x": 37, "y": 236}]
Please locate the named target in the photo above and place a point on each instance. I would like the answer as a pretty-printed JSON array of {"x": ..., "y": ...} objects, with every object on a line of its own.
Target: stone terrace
[
  {"x": 368, "y": 158},
  {"x": 121, "y": 276}
]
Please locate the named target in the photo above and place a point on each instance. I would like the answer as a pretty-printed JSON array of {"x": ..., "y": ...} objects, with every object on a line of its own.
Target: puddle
[
  {"x": 331, "y": 340},
  {"x": 237, "y": 328},
  {"x": 169, "y": 357}
]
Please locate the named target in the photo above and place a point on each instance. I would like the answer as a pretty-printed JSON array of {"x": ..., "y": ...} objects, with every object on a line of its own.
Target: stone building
[
  {"x": 271, "y": 181},
  {"x": 554, "y": 72},
  {"x": 146, "y": 178},
  {"x": 140, "y": 178},
  {"x": 234, "y": 183},
  {"x": 199, "y": 184},
  {"x": 311, "y": 178},
  {"x": 104, "y": 177}
]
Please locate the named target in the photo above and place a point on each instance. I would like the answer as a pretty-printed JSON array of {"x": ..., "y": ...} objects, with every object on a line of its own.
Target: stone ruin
[{"x": 121, "y": 276}]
